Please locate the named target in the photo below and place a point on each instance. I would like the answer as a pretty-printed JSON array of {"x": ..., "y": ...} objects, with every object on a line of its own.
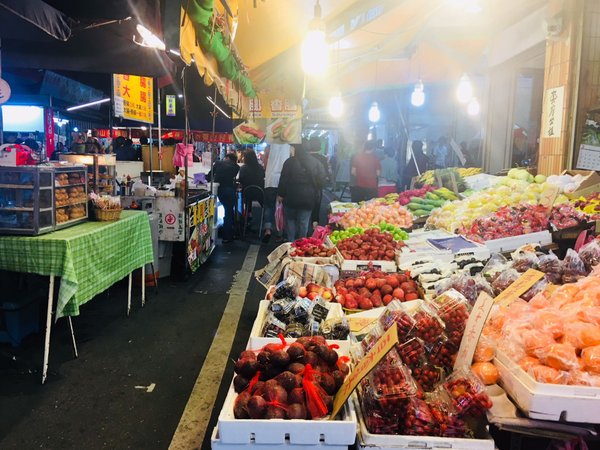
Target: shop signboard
[
  {"x": 201, "y": 224},
  {"x": 133, "y": 97},
  {"x": 553, "y": 112},
  {"x": 170, "y": 104},
  {"x": 273, "y": 118}
]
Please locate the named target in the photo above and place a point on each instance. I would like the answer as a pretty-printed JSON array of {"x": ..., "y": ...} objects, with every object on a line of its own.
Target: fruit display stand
[
  {"x": 368, "y": 440},
  {"x": 547, "y": 401}
]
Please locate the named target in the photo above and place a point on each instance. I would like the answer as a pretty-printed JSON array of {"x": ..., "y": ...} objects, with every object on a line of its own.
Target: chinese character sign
[
  {"x": 133, "y": 97},
  {"x": 273, "y": 117},
  {"x": 553, "y": 112},
  {"x": 170, "y": 104}
]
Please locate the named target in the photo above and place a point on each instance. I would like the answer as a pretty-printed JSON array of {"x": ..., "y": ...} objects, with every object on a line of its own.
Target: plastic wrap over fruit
[
  {"x": 494, "y": 267},
  {"x": 573, "y": 267},
  {"x": 505, "y": 279},
  {"x": 558, "y": 356},
  {"x": 446, "y": 420},
  {"x": 552, "y": 267},
  {"x": 581, "y": 334},
  {"x": 590, "y": 358},
  {"x": 590, "y": 254},
  {"x": 525, "y": 261},
  {"x": 536, "y": 289},
  {"x": 467, "y": 393}
]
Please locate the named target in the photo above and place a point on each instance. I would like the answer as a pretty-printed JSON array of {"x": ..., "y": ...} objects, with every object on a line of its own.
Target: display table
[{"x": 89, "y": 258}]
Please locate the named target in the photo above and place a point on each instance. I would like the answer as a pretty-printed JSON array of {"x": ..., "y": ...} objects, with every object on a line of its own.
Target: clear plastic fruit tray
[
  {"x": 546, "y": 401},
  {"x": 371, "y": 441},
  {"x": 281, "y": 432}
]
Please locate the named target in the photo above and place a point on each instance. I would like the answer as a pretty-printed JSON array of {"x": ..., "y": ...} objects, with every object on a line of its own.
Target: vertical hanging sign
[
  {"x": 553, "y": 112},
  {"x": 170, "y": 105},
  {"x": 49, "y": 130},
  {"x": 133, "y": 97}
]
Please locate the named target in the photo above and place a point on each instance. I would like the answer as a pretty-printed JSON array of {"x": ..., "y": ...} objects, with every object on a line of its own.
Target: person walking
[
  {"x": 274, "y": 157},
  {"x": 441, "y": 154},
  {"x": 366, "y": 169},
  {"x": 300, "y": 183},
  {"x": 251, "y": 174},
  {"x": 417, "y": 163},
  {"x": 225, "y": 172}
]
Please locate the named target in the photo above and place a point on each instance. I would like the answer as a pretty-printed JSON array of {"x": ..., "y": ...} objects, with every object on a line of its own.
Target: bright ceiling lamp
[
  {"x": 473, "y": 107},
  {"x": 417, "y": 97},
  {"x": 464, "y": 91},
  {"x": 374, "y": 113},
  {"x": 315, "y": 51},
  {"x": 149, "y": 39},
  {"x": 336, "y": 106}
]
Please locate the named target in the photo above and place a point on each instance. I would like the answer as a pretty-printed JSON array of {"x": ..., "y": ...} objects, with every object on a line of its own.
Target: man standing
[
  {"x": 366, "y": 169},
  {"x": 440, "y": 154}
]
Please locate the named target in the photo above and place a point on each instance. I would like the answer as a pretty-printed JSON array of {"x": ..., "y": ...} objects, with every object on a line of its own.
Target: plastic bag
[
  {"x": 590, "y": 255},
  {"x": 315, "y": 395},
  {"x": 534, "y": 290},
  {"x": 485, "y": 350},
  {"x": 546, "y": 374},
  {"x": 558, "y": 356},
  {"x": 525, "y": 261},
  {"x": 581, "y": 334},
  {"x": 504, "y": 280},
  {"x": 287, "y": 288},
  {"x": 590, "y": 357},
  {"x": 279, "y": 218},
  {"x": 549, "y": 321},
  {"x": 494, "y": 267},
  {"x": 573, "y": 267}
]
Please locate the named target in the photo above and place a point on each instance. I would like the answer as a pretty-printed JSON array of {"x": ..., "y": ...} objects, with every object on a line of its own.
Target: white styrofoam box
[
  {"x": 217, "y": 444},
  {"x": 514, "y": 242},
  {"x": 397, "y": 441},
  {"x": 280, "y": 432},
  {"x": 546, "y": 401},
  {"x": 335, "y": 311}
]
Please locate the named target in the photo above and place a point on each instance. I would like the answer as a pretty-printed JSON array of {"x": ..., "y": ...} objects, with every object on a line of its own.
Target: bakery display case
[
  {"x": 26, "y": 200},
  {"x": 70, "y": 195},
  {"x": 101, "y": 170},
  {"x": 39, "y": 199}
]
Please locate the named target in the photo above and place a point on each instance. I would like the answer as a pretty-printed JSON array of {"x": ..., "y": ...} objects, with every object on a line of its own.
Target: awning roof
[{"x": 376, "y": 43}]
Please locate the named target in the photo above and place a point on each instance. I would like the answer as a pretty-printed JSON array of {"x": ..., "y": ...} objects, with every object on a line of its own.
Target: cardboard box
[
  {"x": 545, "y": 401},
  {"x": 589, "y": 185}
]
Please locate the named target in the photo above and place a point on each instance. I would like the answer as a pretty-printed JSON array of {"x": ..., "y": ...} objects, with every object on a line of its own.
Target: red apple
[
  {"x": 398, "y": 293},
  {"x": 387, "y": 299},
  {"x": 386, "y": 289},
  {"x": 312, "y": 295},
  {"x": 302, "y": 292},
  {"x": 411, "y": 296},
  {"x": 327, "y": 295}
]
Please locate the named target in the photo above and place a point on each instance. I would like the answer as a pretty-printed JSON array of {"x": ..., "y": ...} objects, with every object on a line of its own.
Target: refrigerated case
[
  {"x": 101, "y": 170},
  {"x": 39, "y": 199}
]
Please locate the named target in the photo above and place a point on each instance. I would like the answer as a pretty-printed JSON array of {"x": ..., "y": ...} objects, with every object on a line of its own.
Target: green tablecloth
[{"x": 88, "y": 257}]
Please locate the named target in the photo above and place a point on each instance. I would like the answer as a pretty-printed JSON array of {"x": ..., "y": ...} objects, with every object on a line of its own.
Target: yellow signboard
[
  {"x": 171, "y": 111},
  {"x": 133, "y": 97}
]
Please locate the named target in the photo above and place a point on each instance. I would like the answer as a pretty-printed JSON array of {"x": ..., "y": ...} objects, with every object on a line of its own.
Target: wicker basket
[{"x": 107, "y": 215}]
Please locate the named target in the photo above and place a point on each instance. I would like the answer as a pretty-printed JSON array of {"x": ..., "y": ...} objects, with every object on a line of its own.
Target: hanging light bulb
[
  {"x": 315, "y": 51},
  {"x": 417, "y": 97},
  {"x": 374, "y": 113},
  {"x": 473, "y": 107},
  {"x": 336, "y": 105},
  {"x": 464, "y": 91}
]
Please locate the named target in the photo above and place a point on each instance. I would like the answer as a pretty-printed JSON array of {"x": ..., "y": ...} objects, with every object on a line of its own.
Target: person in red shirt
[{"x": 365, "y": 169}]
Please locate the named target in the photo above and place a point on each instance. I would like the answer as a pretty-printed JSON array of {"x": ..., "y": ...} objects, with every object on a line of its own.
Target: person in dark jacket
[
  {"x": 225, "y": 172},
  {"x": 419, "y": 159},
  {"x": 251, "y": 174},
  {"x": 300, "y": 183}
]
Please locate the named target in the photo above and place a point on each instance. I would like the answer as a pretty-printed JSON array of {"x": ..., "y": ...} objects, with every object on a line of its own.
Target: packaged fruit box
[
  {"x": 279, "y": 386},
  {"x": 547, "y": 401}
]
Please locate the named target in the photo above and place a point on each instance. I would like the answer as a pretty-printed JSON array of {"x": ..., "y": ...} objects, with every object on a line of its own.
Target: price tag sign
[
  {"x": 519, "y": 287},
  {"x": 548, "y": 195},
  {"x": 362, "y": 369},
  {"x": 358, "y": 323},
  {"x": 473, "y": 330}
]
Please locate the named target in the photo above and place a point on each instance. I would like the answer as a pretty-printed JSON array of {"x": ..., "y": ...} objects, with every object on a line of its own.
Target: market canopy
[
  {"x": 373, "y": 43},
  {"x": 90, "y": 36}
]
